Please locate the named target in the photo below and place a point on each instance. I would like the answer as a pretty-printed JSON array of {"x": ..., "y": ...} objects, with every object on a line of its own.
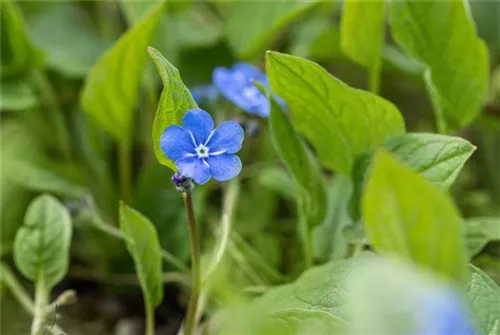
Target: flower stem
[
  {"x": 124, "y": 166},
  {"x": 189, "y": 325}
]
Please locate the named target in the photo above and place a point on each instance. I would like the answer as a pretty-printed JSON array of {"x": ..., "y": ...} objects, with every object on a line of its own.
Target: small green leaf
[
  {"x": 41, "y": 246},
  {"x": 66, "y": 34},
  {"x": 406, "y": 216},
  {"x": 249, "y": 35},
  {"x": 19, "y": 56},
  {"x": 442, "y": 36},
  {"x": 362, "y": 31},
  {"x": 340, "y": 122},
  {"x": 479, "y": 231},
  {"x": 143, "y": 244},
  {"x": 16, "y": 95},
  {"x": 438, "y": 158},
  {"x": 300, "y": 163},
  {"x": 174, "y": 102},
  {"x": 484, "y": 297},
  {"x": 112, "y": 87}
]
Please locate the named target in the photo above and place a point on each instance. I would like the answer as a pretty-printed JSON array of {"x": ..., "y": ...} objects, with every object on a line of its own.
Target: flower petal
[
  {"x": 194, "y": 168},
  {"x": 199, "y": 123},
  {"x": 224, "y": 167},
  {"x": 176, "y": 142},
  {"x": 249, "y": 71},
  {"x": 228, "y": 136}
]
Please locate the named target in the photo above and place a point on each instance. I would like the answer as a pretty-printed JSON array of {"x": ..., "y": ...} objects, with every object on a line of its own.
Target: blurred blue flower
[
  {"x": 201, "y": 152},
  {"x": 236, "y": 85},
  {"x": 204, "y": 93},
  {"x": 444, "y": 313}
]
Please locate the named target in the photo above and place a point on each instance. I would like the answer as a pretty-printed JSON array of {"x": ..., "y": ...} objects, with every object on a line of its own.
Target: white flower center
[
  {"x": 250, "y": 92},
  {"x": 202, "y": 151}
]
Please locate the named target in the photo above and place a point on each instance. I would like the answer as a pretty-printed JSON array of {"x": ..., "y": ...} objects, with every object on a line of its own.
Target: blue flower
[
  {"x": 201, "y": 152},
  {"x": 203, "y": 93},
  {"x": 236, "y": 85},
  {"x": 443, "y": 313}
]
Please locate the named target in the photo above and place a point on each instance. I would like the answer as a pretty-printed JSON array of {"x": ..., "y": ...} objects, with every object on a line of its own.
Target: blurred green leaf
[
  {"x": 484, "y": 296},
  {"x": 37, "y": 177},
  {"x": 68, "y": 38},
  {"x": 16, "y": 94},
  {"x": 41, "y": 247},
  {"x": 278, "y": 180},
  {"x": 442, "y": 35},
  {"x": 16, "y": 143},
  {"x": 316, "y": 299},
  {"x": 249, "y": 35},
  {"x": 408, "y": 217},
  {"x": 328, "y": 240},
  {"x": 19, "y": 55},
  {"x": 486, "y": 16},
  {"x": 479, "y": 231},
  {"x": 174, "y": 102},
  {"x": 310, "y": 189},
  {"x": 111, "y": 90},
  {"x": 142, "y": 242},
  {"x": 438, "y": 158},
  {"x": 341, "y": 122},
  {"x": 362, "y": 31}
]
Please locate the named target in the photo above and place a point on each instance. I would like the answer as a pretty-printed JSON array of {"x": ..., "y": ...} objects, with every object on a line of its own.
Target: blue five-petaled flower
[
  {"x": 236, "y": 85},
  {"x": 201, "y": 152}
]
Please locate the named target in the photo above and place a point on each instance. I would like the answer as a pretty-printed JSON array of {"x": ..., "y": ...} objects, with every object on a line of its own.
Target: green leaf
[
  {"x": 143, "y": 244},
  {"x": 442, "y": 36},
  {"x": 67, "y": 36},
  {"x": 279, "y": 181},
  {"x": 41, "y": 246},
  {"x": 484, "y": 297},
  {"x": 174, "y": 102},
  {"x": 479, "y": 231},
  {"x": 16, "y": 95},
  {"x": 249, "y": 35},
  {"x": 408, "y": 217},
  {"x": 111, "y": 90},
  {"x": 317, "y": 298},
  {"x": 328, "y": 240},
  {"x": 37, "y": 177},
  {"x": 439, "y": 158},
  {"x": 300, "y": 163},
  {"x": 339, "y": 121},
  {"x": 362, "y": 31},
  {"x": 19, "y": 55}
]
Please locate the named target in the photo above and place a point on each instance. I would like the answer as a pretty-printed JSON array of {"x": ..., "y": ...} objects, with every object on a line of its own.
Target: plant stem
[
  {"x": 41, "y": 302},
  {"x": 10, "y": 280},
  {"x": 150, "y": 318},
  {"x": 305, "y": 237},
  {"x": 189, "y": 325},
  {"x": 374, "y": 77},
  {"x": 125, "y": 172},
  {"x": 228, "y": 209}
]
